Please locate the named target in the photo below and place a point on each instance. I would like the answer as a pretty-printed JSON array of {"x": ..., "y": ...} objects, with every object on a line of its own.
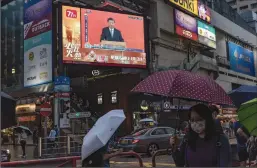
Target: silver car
[{"x": 148, "y": 140}]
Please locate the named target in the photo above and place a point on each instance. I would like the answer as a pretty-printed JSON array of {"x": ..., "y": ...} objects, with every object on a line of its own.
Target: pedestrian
[
  {"x": 215, "y": 112},
  {"x": 242, "y": 136},
  {"x": 52, "y": 137},
  {"x": 202, "y": 146},
  {"x": 23, "y": 141},
  {"x": 101, "y": 158},
  {"x": 252, "y": 148},
  {"x": 35, "y": 136}
]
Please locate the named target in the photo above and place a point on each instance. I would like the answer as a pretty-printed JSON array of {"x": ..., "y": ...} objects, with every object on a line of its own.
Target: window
[
  {"x": 254, "y": 5},
  {"x": 243, "y": 7},
  {"x": 158, "y": 131},
  {"x": 170, "y": 130},
  {"x": 231, "y": 3}
]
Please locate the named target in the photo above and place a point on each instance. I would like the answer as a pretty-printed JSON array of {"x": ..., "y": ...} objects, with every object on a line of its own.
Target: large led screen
[
  {"x": 103, "y": 38},
  {"x": 241, "y": 59}
]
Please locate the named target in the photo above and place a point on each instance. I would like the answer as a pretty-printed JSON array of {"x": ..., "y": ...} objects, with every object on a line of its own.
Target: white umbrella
[{"x": 101, "y": 132}]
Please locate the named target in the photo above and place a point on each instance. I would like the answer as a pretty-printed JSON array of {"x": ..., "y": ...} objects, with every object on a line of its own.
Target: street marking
[{"x": 146, "y": 164}]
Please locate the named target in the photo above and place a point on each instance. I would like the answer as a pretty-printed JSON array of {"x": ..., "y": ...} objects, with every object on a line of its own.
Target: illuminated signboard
[
  {"x": 204, "y": 12},
  {"x": 186, "y": 25},
  {"x": 206, "y": 34},
  {"x": 241, "y": 59},
  {"x": 25, "y": 108},
  {"x": 188, "y": 5},
  {"x": 102, "y": 38}
]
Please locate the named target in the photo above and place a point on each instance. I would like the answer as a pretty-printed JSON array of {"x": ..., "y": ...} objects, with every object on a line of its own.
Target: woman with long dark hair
[{"x": 202, "y": 146}]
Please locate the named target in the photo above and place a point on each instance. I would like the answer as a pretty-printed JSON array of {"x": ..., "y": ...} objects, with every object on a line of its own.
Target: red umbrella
[{"x": 185, "y": 85}]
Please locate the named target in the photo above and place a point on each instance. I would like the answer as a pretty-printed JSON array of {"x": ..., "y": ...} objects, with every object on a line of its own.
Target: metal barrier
[
  {"x": 61, "y": 162},
  {"x": 61, "y": 147},
  {"x": 42, "y": 162}
]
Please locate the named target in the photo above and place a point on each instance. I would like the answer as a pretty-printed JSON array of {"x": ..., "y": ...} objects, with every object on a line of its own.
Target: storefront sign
[
  {"x": 25, "y": 108},
  {"x": 241, "y": 59},
  {"x": 186, "y": 25},
  {"x": 26, "y": 118},
  {"x": 167, "y": 106},
  {"x": 188, "y": 5},
  {"x": 204, "y": 12}
]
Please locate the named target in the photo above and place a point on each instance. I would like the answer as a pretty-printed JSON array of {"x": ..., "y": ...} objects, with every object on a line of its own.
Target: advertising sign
[
  {"x": 37, "y": 27},
  {"x": 36, "y": 9},
  {"x": 206, "y": 31},
  {"x": 110, "y": 41},
  {"x": 204, "y": 12},
  {"x": 241, "y": 59},
  {"x": 38, "y": 59},
  {"x": 37, "y": 42},
  {"x": 186, "y": 25},
  {"x": 206, "y": 34},
  {"x": 188, "y": 5}
]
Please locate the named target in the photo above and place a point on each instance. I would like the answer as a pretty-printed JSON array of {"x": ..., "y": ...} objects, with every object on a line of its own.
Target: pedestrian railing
[
  {"x": 62, "y": 146},
  {"x": 71, "y": 161}
]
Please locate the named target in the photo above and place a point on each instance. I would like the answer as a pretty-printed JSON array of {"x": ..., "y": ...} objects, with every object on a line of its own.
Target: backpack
[{"x": 180, "y": 157}]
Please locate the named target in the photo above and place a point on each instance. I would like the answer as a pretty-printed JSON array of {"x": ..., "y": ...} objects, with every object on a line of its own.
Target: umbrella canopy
[
  {"x": 185, "y": 85},
  {"x": 101, "y": 132},
  {"x": 242, "y": 94},
  {"x": 247, "y": 115},
  {"x": 8, "y": 105},
  {"x": 19, "y": 129}
]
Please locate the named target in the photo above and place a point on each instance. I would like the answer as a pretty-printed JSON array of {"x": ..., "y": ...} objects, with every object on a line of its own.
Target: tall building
[{"x": 243, "y": 5}]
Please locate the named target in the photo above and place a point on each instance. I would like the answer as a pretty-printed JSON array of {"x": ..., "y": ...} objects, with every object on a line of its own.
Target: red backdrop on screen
[{"x": 132, "y": 29}]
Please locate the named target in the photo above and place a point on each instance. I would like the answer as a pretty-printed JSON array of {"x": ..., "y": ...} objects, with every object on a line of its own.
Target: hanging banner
[
  {"x": 63, "y": 100},
  {"x": 37, "y": 42}
]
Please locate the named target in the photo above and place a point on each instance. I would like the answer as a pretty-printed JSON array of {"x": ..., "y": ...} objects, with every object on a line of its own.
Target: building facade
[
  {"x": 243, "y": 5},
  {"x": 173, "y": 52}
]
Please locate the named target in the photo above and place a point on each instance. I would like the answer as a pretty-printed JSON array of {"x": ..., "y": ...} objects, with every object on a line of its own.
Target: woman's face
[{"x": 197, "y": 123}]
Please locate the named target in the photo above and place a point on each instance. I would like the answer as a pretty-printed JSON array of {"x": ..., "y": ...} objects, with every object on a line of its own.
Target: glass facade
[{"x": 12, "y": 42}]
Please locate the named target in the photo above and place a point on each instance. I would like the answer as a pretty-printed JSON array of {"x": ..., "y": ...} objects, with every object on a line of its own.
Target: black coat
[{"x": 106, "y": 35}]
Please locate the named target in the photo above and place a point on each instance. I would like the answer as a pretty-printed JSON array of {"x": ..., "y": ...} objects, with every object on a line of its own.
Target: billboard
[
  {"x": 37, "y": 42},
  {"x": 206, "y": 34},
  {"x": 103, "y": 38},
  {"x": 38, "y": 59},
  {"x": 185, "y": 25},
  {"x": 204, "y": 12},
  {"x": 241, "y": 59},
  {"x": 188, "y": 5}
]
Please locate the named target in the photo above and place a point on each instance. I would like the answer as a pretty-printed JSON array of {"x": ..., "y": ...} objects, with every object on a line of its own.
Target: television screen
[{"x": 103, "y": 38}]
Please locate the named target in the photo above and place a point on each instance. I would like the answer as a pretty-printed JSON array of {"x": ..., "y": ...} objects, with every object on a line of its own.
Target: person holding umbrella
[
  {"x": 95, "y": 149},
  {"x": 23, "y": 141},
  {"x": 202, "y": 146}
]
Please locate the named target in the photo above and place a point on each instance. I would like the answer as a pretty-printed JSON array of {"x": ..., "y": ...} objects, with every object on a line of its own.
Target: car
[
  {"x": 5, "y": 155},
  {"x": 148, "y": 140}
]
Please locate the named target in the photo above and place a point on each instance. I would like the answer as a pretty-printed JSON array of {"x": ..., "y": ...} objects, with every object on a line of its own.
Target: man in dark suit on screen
[{"x": 110, "y": 33}]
